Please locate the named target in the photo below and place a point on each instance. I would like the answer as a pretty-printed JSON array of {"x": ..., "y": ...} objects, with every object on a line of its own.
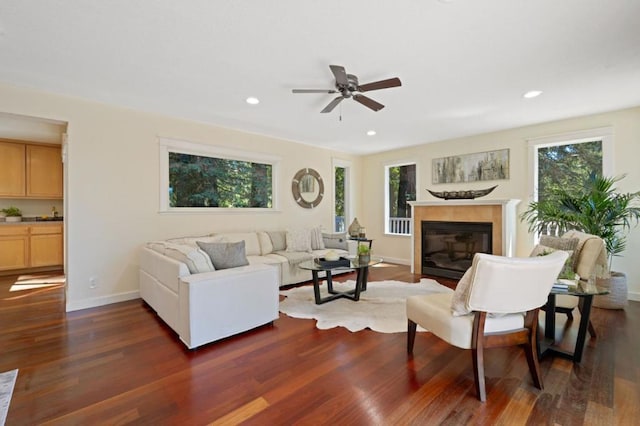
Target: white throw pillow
[
  {"x": 299, "y": 240},
  {"x": 461, "y": 295},
  {"x": 196, "y": 260},
  {"x": 315, "y": 234}
]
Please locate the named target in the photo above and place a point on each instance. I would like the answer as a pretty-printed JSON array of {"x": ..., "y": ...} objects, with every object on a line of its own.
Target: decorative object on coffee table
[{"x": 468, "y": 194}]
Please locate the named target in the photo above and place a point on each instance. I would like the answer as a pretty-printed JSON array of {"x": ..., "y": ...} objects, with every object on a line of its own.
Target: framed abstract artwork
[{"x": 479, "y": 166}]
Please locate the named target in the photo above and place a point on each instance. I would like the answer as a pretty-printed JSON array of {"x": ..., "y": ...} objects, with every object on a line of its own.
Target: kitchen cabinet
[
  {"x": 44, "y": 171},
  {"x": 12, "y": 169},
  {"x": 14, "y": 247},
  {"x": 30, "y": 171},
  {"x": 31, "y": 246},
  {"x": 45, "y": 245}
]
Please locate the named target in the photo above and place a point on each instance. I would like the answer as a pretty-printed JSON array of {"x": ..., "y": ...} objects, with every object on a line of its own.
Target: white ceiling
[{"x": 464, "y": 64}]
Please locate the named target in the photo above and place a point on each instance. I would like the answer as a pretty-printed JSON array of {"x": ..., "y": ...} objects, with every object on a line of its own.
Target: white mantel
[{"x": 460, "y": 209}]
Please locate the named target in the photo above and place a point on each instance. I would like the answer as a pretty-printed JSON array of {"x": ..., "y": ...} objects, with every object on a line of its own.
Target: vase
[
  {"x": 354, "y": 228},
  {"x": 363, "y": 259}
]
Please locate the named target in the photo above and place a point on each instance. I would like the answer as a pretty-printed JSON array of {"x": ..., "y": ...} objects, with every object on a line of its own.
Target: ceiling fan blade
[
  {"x": 382, "y": 84},
  {"x": 368, "y": 102},
  {"x": 340, "y": 74},
  {"x": 332, "y": 104},
  {"x": 314, "y": 91}
]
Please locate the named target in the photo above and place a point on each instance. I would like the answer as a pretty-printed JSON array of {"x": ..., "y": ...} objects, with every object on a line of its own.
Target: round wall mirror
[{"x": 307, "y": 188}]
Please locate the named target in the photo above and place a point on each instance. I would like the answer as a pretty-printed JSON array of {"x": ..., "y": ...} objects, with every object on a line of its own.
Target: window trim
[
  {"x": 605, "y": 134},
  {"x": 387, "y": 165},
  {"x": 167, "y": 145},
  {"x": 348, "y": 194}
]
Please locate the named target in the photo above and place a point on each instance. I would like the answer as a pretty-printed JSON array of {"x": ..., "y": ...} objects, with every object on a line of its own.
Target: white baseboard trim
[
  {"x": 632, "y": 295},
  {"x": 396, "y": 260},
  {"x": 101, "y": 301}
]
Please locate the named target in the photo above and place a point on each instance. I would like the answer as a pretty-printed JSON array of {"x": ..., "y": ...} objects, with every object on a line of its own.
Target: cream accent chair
[
  {"x": 590, "y": 258},
  {"x": 503, "y": 298}
]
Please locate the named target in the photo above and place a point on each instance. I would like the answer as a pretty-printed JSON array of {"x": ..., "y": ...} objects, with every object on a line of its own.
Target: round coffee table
[{"x": 362, "y": 269}]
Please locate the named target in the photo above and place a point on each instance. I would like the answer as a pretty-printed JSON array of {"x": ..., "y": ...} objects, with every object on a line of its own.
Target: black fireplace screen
[{"x": 448, "y": 247}]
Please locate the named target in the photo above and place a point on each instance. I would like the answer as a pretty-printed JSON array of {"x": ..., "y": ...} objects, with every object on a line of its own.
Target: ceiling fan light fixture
[
  {"x": 253, "y": 100},
  {"x": 532, "y": 94}
]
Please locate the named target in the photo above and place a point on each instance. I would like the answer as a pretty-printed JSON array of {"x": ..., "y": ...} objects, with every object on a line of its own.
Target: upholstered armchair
[
  {"x": 495, "y": 304},
  {"x": 589, "y": 258}
]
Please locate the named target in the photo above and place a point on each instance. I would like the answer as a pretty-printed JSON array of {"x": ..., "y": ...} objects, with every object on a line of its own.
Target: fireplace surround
[{"x": 500, "y": 213}]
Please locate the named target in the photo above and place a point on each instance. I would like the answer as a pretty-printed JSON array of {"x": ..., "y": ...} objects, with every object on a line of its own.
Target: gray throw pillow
[
  {"x": 559, "y": 243},
  {"x": 335, "y": 241},
  {"x": 225, "y": 255}
]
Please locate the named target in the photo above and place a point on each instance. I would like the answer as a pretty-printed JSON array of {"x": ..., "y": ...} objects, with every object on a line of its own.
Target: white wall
[
  {"x": 112, "y": 188},
  {"x": 626, "y": 128}
]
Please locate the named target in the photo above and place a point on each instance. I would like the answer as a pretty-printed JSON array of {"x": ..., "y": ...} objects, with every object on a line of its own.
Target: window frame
[
  {"x": 386, "y": 193},
  {"x": 348, "y": 201},
  {"x": 167, "y": 145},
  {"x": 605, "y": 134}
]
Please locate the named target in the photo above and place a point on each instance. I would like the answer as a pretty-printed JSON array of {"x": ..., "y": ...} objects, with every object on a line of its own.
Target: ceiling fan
[{"x": 348, "y": 87}]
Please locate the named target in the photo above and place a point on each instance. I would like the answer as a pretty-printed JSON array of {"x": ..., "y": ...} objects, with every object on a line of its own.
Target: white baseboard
[
  {"x": 632, "y": 295},
  {"x": 101, "y": 301},
  {"x": 396, "y": 260}
]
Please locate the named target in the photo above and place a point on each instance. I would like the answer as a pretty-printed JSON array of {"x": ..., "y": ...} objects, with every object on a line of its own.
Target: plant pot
[
  {"x": 617, "y": 297},
  {"x": 13, "y": 219},
  {"x": 363, "y": 259}
]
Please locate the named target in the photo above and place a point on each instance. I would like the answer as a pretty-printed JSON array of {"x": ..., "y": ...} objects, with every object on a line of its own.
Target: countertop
[{"x": 34, "y": 221}]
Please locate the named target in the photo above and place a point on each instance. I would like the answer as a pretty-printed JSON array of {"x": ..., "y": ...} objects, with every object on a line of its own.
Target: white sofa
[{"x": 202, "y": 304}]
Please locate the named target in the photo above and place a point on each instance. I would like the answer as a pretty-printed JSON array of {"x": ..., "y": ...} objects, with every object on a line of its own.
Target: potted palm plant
[{"x": 597, "y": 208}]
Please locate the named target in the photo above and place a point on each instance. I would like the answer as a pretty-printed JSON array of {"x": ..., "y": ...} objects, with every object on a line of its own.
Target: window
[
  {"x": 341, "y": 203},
  {"x": 566, "y": 160},
  {"x": 206, "y": 178},
  {"x": 400, "y": 185}
]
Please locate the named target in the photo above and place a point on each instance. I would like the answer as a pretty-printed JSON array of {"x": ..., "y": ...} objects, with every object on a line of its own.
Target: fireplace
[{"x": 448, "y": 247}]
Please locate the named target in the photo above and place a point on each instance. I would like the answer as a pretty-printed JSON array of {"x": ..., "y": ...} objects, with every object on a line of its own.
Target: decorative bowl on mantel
[{"x": 469, "y": 194}]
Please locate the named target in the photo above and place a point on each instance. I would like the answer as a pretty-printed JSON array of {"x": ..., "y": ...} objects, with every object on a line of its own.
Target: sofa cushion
[
  {"x": 278, "y": 240},
  {"x": 569, "y": 245},
  {"x": 225, "y": 255},
  {"x": 266, "y": 246},
  {"x": 315, "y": 234},
  {"x": 196, "y": 260},
  {"x": 298, "y": 240},
  {"x": 335, "y": 240},
  {"x": 252, "y": 244}
]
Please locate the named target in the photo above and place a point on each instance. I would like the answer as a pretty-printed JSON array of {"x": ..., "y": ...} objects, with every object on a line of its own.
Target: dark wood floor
[{"x": 120, "y": 364}]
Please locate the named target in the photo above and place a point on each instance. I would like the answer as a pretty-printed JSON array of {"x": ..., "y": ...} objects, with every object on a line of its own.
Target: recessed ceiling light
[
  {"x": 253, "y": 101},
  {"x": 532, "y": 94},
  {"x": 371, "y": 133}
]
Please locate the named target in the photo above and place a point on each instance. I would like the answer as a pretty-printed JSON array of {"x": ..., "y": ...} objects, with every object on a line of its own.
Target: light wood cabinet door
[
  {"x": 14, "y": 252},
  {"x": 45, "y": 250},
  {"x": 44, "y": 171},
  {"x": 12, "y": 169}
]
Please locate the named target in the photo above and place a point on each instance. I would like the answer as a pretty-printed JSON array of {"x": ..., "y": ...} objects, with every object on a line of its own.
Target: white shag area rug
[
  {"x": 7, "y": 382},
  {"x": 381, "y": 308}
]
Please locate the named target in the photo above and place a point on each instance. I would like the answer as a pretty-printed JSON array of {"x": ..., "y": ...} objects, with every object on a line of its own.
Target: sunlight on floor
[{"x": 30, "y": 282}]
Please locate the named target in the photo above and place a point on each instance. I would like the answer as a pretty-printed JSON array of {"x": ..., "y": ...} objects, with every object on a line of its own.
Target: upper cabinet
[
  {"x": 44, "y": 171},
  {"x": 30, "y": 171},
  {"x": 12, "y": 169}
]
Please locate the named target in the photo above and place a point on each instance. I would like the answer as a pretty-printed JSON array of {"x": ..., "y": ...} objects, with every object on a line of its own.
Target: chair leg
[
  {"x": 531, "y": 347},
  {"x": 592, "y": 331},
  {"x": 569, "y": 315},
  {"x": 477, "y": 354},
  {"x": 411, "y": 335},
  {"x": 478, "y": 373}
]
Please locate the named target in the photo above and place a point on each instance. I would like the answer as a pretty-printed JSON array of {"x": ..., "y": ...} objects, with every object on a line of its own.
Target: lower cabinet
[{"x": 24, "y": 246}]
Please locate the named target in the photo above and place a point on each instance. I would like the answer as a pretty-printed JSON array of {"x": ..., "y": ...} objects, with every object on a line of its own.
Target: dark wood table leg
[
  {"x": 550, "y": 318},
  {"x": 316, "y": 287},
  {"x": 585, "y": 312}
]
